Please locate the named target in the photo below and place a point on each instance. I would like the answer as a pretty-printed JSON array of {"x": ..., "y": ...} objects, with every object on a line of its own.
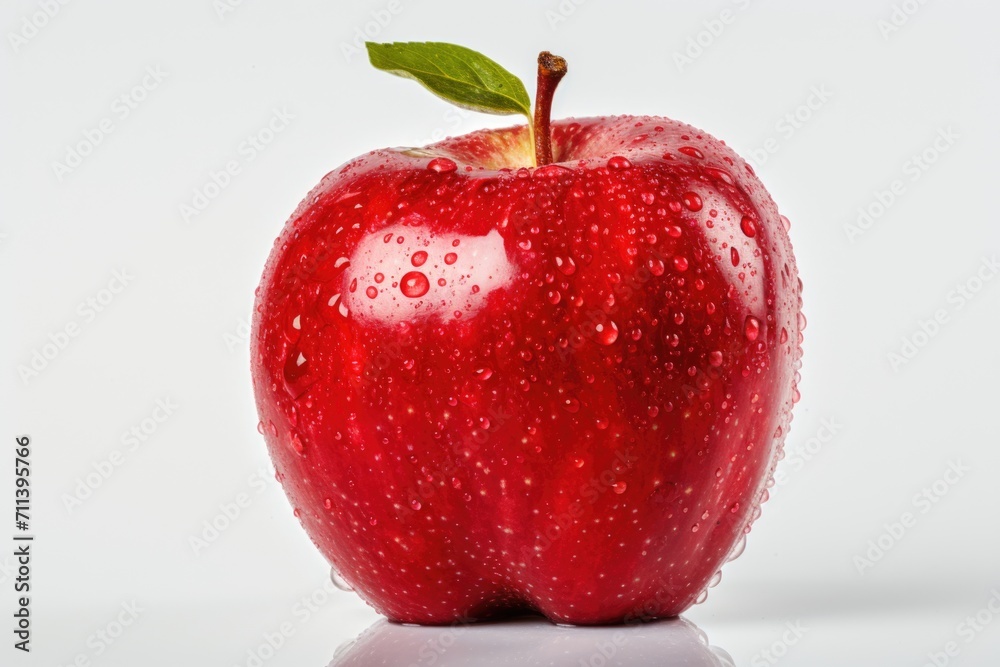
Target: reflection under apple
[{"x": 532, "y": 642}]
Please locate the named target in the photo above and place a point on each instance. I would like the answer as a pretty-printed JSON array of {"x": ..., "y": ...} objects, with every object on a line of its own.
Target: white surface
[{"x": 176, "y": 331}]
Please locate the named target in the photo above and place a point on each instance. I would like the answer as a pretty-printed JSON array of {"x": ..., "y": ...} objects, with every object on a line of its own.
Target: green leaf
[{"x": 457, "y": 74}]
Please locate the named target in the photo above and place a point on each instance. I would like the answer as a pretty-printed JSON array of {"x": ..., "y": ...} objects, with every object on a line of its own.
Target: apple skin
[{"x": 490, "y": 389}]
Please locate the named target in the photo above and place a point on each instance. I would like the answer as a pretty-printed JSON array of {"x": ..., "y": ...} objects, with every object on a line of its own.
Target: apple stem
[{"x": 551, "y": 70}]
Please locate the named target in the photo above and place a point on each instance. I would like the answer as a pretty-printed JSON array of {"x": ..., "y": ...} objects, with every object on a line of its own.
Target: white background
[{"x": 177, "y": 330}]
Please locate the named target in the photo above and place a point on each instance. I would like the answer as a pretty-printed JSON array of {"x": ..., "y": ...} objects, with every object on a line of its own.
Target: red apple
[{"x": 489, "y": 387}]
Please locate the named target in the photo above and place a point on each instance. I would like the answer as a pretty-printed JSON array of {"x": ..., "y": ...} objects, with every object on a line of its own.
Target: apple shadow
[{"x": 531, "y": 642}]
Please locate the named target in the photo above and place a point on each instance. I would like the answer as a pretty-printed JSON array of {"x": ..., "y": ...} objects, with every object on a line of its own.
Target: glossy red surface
[{"x": 489, "y": 388}]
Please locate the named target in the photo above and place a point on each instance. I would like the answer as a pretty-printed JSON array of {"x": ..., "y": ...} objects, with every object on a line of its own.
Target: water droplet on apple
[
  {"x": 785, "y": 222},
  {"x": 620, "y": 487},
  {"x": 695, "y": 527},
  {"x": 720, "y": 174},
  {"x": 328, "y": 503},
  {"x": 442, "y": 165},
  {"x": 484, "y": 373},
  {"x": 751, "y": 329},
  {"x": 783, "y": 336},
  {"x": 260, "y": 427},
  {"x": 566, "y": 265},
  {"x": 578, "y": 463},
  {"x": 571, "y": 405},
  {"x": 450, "y": 258},
  {"x": 371, "y": 292},
  {"x": 296, "y": 444},
  {"x": 552, "y": 170},
  {"x": 553, "y": 296},
  {"x": 647, "y": 197},
  {"x": 339, "y": 581},
  {"x": 655, "y": 265},
  {"x": 692, "y": 201},
  {"x": 748, "y": 226},
  {"x": 342, "y": 650},
  {"x": 418, "y": 258},
  {"x": 691, "y": 151},
  {"x": 734, "y": 256},
  {"x": 619, "y": 162},
  {"x": 680, "y": 263},
  {"x": 414, "y": 284},
  {"x": 802, "y": 321},
  {"x": 607, "y": 332},
  {"x": 674, "y": 231},
  {"x": 738, "y": 549},
  {"x": 415, "y": 504}
]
